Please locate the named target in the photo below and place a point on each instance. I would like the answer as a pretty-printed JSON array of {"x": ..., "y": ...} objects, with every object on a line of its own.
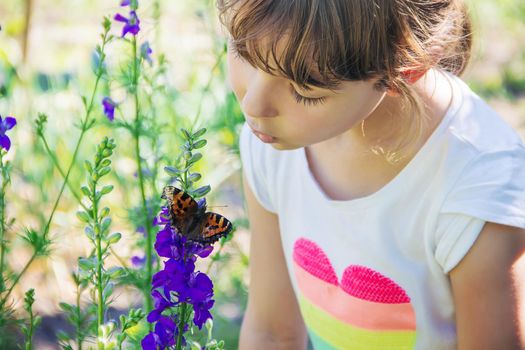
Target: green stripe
[
  {"x": 339, "y": 335},
  {"x": 319, "y": 343}
]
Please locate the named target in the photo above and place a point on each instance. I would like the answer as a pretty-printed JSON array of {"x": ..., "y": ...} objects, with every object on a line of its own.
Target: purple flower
[
  {"x": 151, "y": 342},
  {"x": 162, "y": 218},
  {"x": 145, "y": 172},
  {"x": 161, "y": 303},
  {"x": 178, "y": 283},
  {"x": 202, "y": 311},
  {"x": 6, "y": 124},
  {"x": 166, "y": 331},
  {"x": 133, "y": 4},
  {"x": 109, "y": 108},
  {"x": 131, "y": 24},
  {"x": 138, "y": 262},
  {"x": 145, "y": 52}
]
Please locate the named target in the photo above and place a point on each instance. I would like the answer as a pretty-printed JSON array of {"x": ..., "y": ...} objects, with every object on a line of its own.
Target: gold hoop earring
[{"x": 363, "y": 128}]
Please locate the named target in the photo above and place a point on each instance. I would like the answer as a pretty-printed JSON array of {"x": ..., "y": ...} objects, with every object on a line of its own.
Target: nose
[{"x": 259, "y": 98}]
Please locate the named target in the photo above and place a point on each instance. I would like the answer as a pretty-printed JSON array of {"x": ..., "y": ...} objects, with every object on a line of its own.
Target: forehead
[{"x": 278, "y": 54}]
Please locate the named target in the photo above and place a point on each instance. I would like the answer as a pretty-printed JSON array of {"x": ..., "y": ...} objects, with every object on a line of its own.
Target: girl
[{"x": 386, "y": 199}]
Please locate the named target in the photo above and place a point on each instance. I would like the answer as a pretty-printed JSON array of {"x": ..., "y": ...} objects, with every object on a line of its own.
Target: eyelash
[{"x": 307, "y": 101}]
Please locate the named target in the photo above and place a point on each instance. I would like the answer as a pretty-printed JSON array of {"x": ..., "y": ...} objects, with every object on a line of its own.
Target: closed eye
[
  {"x": 307, "y": 101},
  {"x": 233, "y": 49}
]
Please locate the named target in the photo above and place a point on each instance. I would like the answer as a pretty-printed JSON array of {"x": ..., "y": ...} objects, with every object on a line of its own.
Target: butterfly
[{"x": 193, "y": 221}]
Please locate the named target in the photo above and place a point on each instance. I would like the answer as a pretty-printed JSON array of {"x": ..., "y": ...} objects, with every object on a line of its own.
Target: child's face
[{"x": 272, "y": 106}]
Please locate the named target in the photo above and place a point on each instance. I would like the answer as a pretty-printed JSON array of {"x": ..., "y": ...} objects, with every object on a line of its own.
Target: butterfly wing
[
  {"x": 182, "y": 208},
  {"x": 215, "y": 227}
]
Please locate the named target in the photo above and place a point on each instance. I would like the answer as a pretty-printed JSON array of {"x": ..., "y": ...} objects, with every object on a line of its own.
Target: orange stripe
[
  {"x": 351, "y": 310},
  {"x": 339, "y": 335}
]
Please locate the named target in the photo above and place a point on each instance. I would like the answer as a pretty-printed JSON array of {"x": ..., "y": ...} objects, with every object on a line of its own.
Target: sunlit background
[{"x": 46, "y": 65}]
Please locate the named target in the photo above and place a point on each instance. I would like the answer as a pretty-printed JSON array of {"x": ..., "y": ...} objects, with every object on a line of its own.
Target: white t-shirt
[{"x": 372, "y": 273}]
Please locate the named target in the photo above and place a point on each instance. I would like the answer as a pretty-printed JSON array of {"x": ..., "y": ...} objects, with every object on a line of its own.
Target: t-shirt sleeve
[
  {"x": 254, "y": 163},
  {"x": 490, "y": 188}
]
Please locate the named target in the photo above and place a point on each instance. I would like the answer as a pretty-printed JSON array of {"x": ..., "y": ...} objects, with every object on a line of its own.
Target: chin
[{"x": 284, "y": 146}]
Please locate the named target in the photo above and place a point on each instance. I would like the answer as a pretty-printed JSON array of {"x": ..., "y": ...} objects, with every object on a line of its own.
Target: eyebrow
[
  {"x": 314, "y": 81},
  {"x": 308, "y": 87}
]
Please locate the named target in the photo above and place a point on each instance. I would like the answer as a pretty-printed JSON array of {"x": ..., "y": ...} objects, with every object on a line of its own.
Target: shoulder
[
  {"x": 477, "y": 124},
  {"x": 489, "y": 188}
]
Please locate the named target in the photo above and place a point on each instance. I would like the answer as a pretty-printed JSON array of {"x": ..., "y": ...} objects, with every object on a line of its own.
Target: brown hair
[{"x": 353, "y": 40}]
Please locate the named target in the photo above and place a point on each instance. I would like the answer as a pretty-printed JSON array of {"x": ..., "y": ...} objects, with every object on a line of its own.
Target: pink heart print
[{"x": 365, "y": 310}]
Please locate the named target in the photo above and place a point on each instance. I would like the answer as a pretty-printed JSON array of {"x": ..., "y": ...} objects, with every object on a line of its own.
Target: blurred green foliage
[{"x": 189, "y": 80}]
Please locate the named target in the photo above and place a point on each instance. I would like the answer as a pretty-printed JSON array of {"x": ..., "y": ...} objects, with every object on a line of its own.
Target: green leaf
[
  {"x": 88, "y": 230},
  {"x": 123, "y": 320},
  {"x": 88, "y": 166},
  {"x": 200, "y": 144},
  {"x": 194, "y": 345},
  {"x": 104, "y": 171},
  {"x": 62, "y": 336},
  {"x": 87, "y": 264},
  {"x": 106, "y": 23},
  {"x": 199, "y": 133},
  {"x": 83, "y": 216},
  {"x": 105, "y": 225},
  {"x": 172, "y": 171},
  {"x": 66, "y": 307},
  {"x": 86, "y": 191},
  {"x": 84, "y": 101},
  {"x": 114, "y": 238},
  {"x": 108, "y": 290},
  {"x": 186, "y": 134},
  {"x": 195, "y": 158},
  {"x": 194, "y": 177},
  {"x": 116, "y": 272},
  {"x": 106, "y": 189},
  {"x": 104, "y": 212},
  {"x": 201, "y": 191},
  {"x": 37, "y": 321}
]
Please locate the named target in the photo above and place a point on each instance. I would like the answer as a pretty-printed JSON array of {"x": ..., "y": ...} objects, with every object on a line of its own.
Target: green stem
[
  {"x": 27, "y": 29},
  {"x": 211, "y": 263},
  {"x": 29, "y": 341},
  {"x": 73, "y": 160},
  {"x": 147, "y": 223},
  {"x": 6, "y": 296},
  {"x": 2, "y": 220},
  {"x": 122, "y": 262},
  {"x": 100, "y": 289},
  {"x": 79, "y": 324},
  {"x": 208, "y": 86},
  {"x": 59, "y": 168},
  {"x": 181, "y": 326}
]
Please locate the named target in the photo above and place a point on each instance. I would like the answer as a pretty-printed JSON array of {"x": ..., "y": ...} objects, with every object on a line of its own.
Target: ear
[{"x": 411, "y": 76}]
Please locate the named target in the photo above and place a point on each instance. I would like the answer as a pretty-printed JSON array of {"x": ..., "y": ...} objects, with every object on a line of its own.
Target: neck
[{"x": 387, "y": 124}]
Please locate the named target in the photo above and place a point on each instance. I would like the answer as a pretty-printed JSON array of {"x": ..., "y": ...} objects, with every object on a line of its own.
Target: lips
[{"x": 264, "y": 137}]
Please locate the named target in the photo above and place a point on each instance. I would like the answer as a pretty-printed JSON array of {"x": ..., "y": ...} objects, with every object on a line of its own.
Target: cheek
[{"x": 237, "y": 76}]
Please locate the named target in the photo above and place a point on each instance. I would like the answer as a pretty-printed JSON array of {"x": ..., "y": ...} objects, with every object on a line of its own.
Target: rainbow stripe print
[{"x": 364, "y": 311}]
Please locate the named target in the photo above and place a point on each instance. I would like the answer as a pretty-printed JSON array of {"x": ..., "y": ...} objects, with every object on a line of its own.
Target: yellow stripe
[{"x": 346, "y": 337}]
